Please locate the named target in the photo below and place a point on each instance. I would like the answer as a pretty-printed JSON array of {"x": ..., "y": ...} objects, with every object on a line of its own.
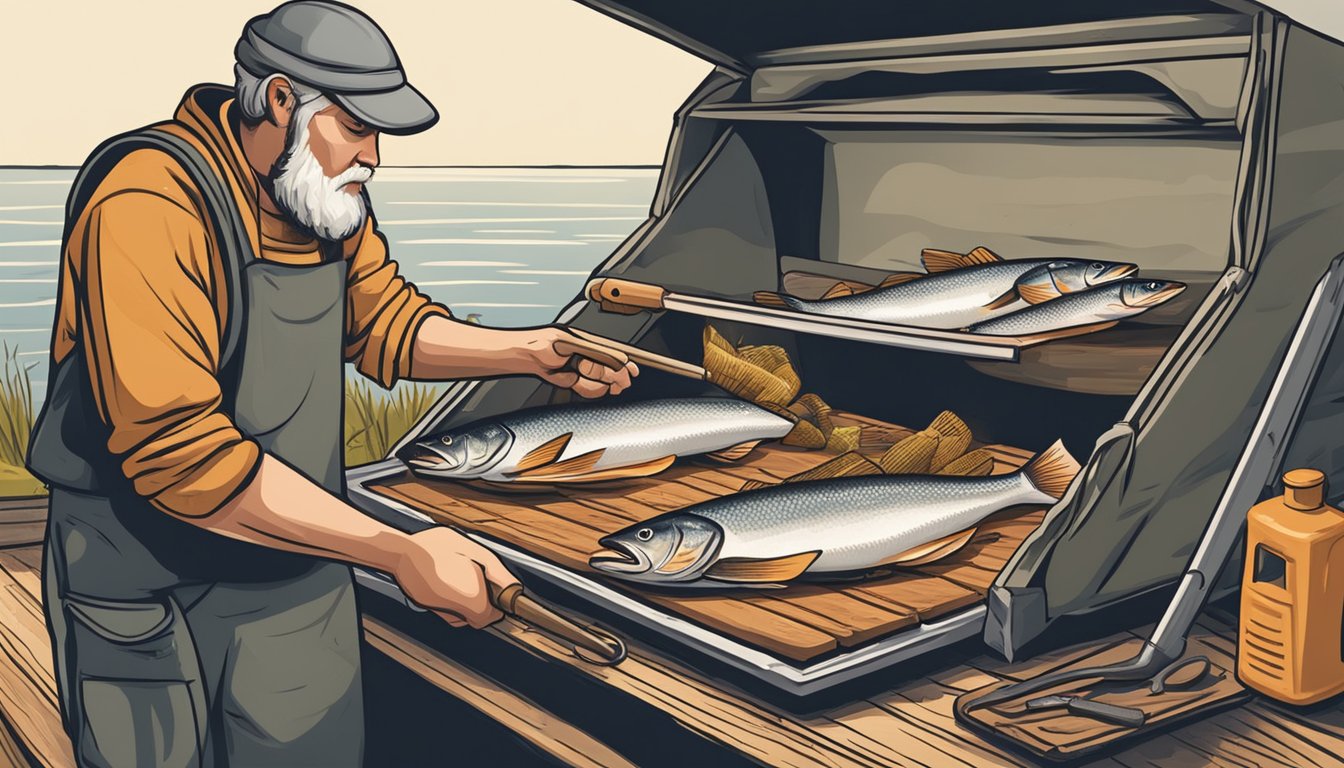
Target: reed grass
[
  {"x": 375, "y": 420},
  {"x": 16, "y": 424}
]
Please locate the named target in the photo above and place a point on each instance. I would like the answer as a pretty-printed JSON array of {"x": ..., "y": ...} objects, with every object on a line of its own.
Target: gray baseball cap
[{"x": 341, "y": 51}]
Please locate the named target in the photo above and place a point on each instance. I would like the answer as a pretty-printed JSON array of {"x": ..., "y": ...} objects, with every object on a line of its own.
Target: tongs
[{"x": 588, "y": 643}]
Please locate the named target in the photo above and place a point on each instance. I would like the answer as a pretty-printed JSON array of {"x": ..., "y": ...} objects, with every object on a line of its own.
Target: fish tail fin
[
  {"x": 1052, "y": 470},
  {"x": 772, "y": 299}
]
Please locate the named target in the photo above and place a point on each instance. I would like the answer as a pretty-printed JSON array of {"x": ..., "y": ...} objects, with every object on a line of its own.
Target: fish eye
[
  {"x": 1098, "y": 265},
  {"x": 1153, "y": 286},
  {"x": 446, "y": 440},
  {"x": 644, "y": 534}
]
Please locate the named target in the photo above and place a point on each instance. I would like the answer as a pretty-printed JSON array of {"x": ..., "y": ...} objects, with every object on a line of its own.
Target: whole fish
[
  {"x": 838, "y": 525},
  {"x": 1105, "y": 304},
  {"x": 955, "y": 298},
  {"x": 585, "y": 442}
]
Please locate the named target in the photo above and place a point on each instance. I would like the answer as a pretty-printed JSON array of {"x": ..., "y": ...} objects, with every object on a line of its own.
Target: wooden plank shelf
[{"x": 801, "y": 623}]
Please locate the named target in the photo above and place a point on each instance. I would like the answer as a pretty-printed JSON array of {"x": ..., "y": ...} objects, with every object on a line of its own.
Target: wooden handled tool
[
  {"x": 646, "y": 358},
  {"x": 605, "y": 648}
]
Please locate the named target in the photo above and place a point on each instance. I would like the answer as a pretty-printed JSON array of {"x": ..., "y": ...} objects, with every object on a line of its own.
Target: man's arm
[{"x": 437, "y": 568}]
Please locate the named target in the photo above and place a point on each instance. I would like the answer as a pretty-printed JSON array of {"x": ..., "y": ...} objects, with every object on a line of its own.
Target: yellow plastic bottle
[{"x": 1291, "y": 641}]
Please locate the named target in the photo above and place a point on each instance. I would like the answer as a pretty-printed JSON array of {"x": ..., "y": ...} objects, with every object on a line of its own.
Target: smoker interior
[{"x": 1114, "y": 164}]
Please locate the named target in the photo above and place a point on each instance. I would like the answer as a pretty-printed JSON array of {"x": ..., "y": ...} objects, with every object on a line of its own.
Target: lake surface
[{"x": 513, "y": 245}]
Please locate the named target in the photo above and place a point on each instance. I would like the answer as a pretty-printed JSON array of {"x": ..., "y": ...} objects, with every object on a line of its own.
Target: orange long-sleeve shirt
[{"x": 142, "y": 294}]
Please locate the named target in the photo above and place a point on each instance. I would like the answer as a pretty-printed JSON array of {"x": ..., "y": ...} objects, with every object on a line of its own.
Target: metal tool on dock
[{"x": 1077, "y": 705}]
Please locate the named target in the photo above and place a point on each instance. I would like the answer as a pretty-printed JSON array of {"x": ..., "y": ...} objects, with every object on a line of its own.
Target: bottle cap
[{"x": 1304, "y": 489}]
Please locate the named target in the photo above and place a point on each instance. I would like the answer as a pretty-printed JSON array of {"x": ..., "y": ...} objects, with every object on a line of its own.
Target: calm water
[{"x": 513, "y": 245}]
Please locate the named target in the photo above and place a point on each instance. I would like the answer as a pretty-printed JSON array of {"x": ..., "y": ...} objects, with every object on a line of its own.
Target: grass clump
[
  {"x": 16, "y": 424},
  {"x": 375, "y": 420}
]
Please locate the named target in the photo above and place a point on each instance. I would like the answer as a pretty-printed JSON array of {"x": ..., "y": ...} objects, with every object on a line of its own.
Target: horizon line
[{"x": 57, "y": 167}]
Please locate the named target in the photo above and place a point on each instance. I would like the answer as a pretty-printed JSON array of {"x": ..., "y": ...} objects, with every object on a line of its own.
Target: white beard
[{"x": 313, "y": 199}]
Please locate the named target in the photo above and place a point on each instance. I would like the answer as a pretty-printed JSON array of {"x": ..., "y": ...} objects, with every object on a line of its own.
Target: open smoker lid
[{"x": 735, "y": 32}]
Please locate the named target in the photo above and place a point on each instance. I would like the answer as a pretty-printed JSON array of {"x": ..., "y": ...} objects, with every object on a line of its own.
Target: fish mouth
[
  {"x": 426, "y": 458},
  {"x": 1163, "y": 295},
  {"x": 617, "y": 557},
  {"x": 1118, "y": 272}
]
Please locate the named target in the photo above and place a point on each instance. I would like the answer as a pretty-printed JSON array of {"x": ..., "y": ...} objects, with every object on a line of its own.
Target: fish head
[
  {"x": 1063, "y": 276},
  {"x": 460, "y": 453},
  {"x": 679, "y": 547},
  {"x": 1149, "y": 293}
]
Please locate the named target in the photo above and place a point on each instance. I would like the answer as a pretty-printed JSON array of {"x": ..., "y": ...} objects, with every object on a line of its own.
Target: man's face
[{"x": 329, "y": 154}]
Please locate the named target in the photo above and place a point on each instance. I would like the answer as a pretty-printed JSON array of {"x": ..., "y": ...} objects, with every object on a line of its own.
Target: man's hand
[
  {"x": 446, "y": 572},
  {"x": 585, "y": 377}
]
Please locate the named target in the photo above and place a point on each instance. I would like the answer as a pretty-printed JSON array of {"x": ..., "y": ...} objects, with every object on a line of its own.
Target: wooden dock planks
[{"x": 799, "y": 623}]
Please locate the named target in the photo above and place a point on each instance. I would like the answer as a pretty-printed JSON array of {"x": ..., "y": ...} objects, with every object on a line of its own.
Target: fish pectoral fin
[
  {"x": 899, "y": 278},
  {"x": 1008, "y": 297},
  {"x": 544, "y": 454},
  {"x": 576, "y": 466},
  {"x": 1035, "y": 294},
  {"x": 934, "y": 550},
  {"x": 643, "y": 469},
  {"x": 751, "y": 569},
  {"x": 935, "y": 260},
  {"x": 734, "y": 452}
]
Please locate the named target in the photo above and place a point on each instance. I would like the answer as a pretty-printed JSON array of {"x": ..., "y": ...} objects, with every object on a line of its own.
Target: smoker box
[{"x": 834, "y": 141}]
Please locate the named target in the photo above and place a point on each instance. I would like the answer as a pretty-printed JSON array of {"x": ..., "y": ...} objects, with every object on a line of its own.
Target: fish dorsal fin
[
  {"x": 912, "y": 455},
  {"x": 898, "y": 278},
  {"x": 977, "y": 463},
  {"x": 1052, "y": 470},
  {"x": 982, "y": 255},
  {"x": 769, "y": 299},
  {"x": 1035, "y": 294},
  {"x": 1009, "y": 296},
  {"x": 954, "y": 437},
  {"x": 851, "y": 464},
  {"x": 838, "y": 291},
  {"x": 932, "y": 551},
  {"x": 754, "y": 485},
  {"x": 750, "y": 569},
  {"x": 735, "y": 452},
  {"x": 935, "y": 260},
  {"x": 544, "y": 454}
]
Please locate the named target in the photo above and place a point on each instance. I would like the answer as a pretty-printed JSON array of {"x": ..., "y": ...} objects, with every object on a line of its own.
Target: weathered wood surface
[
  {"x": 545, "y": 731},
  {"x": 909, "y": 725},
  {"x": 800, "y": 622},
  {"x": 22, "y": 521}
]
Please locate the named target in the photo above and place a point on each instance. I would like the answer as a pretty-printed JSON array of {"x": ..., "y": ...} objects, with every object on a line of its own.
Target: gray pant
[{"x": 219, "y": 674}]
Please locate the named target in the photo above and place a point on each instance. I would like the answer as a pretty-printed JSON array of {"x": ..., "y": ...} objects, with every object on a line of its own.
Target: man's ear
[{"x": 280, "y": 101}]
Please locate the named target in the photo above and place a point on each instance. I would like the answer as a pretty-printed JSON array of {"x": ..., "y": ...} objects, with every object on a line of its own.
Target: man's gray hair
[{"x": 250, "y": 91}]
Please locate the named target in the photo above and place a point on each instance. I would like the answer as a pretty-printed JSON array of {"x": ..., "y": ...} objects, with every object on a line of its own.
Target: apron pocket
[
  {"x": 139, "y": 699},
  {"x": 121, "y": 622},
  {"x": 138, "y": 722}
]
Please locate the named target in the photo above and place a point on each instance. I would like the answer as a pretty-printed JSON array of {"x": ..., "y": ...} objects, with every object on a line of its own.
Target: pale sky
[{"x": 526, "y": 82}]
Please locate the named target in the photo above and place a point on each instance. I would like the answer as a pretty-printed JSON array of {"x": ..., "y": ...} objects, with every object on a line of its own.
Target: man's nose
[{"x": 368, "y": 152}]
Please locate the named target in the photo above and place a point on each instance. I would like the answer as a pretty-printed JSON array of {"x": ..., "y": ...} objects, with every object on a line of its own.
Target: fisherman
[{"x": 216, "y": 274}]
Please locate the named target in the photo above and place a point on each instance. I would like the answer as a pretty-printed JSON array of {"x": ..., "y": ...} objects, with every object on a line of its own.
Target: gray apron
[{"x": 175, "y": 646}]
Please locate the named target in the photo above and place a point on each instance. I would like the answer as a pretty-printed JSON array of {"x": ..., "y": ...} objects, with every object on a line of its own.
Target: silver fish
[
  {"x": 959, "y": 297},
  {"x": 1107, "y": 303},
  {"x": 584, "y": 442},
  {"x": 838, "y": 525}
]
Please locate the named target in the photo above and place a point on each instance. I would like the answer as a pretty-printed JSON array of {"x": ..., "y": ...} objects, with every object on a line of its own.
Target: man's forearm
[
  {"x": 282, "y": 509},
  {"x": 449, "y": 349}
]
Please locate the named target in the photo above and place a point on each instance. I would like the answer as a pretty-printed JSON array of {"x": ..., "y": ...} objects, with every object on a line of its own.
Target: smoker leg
[{"x": 1014, "y": 617}]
